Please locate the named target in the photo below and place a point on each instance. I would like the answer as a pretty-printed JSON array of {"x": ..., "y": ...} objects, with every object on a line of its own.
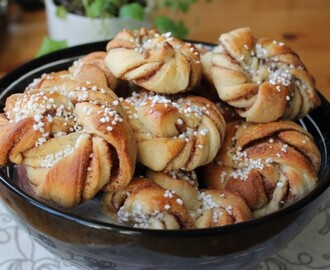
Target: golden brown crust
[
  {"x": 143, "y": 201},
  {"x": 119, "y": 137},
  {"x": 112, "y": 201},
  {"x": 174, "y": 133},
  {"x": 69, "y": 134},
  {"x": 88, "y": 69},
  {"x": 263, "y": 79},
  {"x": 74, "y": 137},
  {"x": 184, "y": 184},
  {"x": 15, "y": 138},
  {"x": 270, "y": 164},
  {"x": 92, "y": 67},
  {"x": 207, "y": 207},
  {"x": 222, "y": 208},
  {"x": 145, "y": 204},
  {"x": 77, "y": 91},
  {"x": 158, "y": 63},
  {"x": 64, "y": 181}
]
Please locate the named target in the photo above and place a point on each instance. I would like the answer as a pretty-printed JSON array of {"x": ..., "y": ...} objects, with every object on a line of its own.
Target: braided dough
[
  {"x": 270, "y": 164},
  {"x": 145, "y": 204},
  {"x": 73, "y": 137},
  {"x": 172, "y": 201},
  {"x": 208, "y": 207},
  {"x": 184, "y": 184},
  {"x": 158, "y": 63},
  {"x": 174, "y": 133},
  {"x": 70, "y": 134},
  {"x": 263, "y": 79}
]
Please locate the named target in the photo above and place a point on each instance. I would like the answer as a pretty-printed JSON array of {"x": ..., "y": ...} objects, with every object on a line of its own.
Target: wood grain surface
[{"x": 301, "y": 24}]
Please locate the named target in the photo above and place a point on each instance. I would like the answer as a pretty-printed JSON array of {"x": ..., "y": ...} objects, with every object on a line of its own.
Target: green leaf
[
  {"x": 178, "y": 5},
  {"x": 134, "y": 11},
  {"x": 49, "y": 45},
  {"x": 165, "y": 24},
  {"x": 96, "y": 8},
  {"x": 184, "y": 5},
  {"x": 61, "y": 12}
]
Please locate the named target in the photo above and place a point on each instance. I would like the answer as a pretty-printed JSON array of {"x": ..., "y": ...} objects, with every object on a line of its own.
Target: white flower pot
[{"x": 76, "y": 29}]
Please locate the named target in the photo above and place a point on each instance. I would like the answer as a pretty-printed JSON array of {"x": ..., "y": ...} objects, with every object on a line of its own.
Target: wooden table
[{"x": 302, "y": 24}]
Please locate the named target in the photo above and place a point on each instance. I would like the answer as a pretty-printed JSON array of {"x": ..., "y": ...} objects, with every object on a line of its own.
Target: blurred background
[{"x": 301, "y": 24}]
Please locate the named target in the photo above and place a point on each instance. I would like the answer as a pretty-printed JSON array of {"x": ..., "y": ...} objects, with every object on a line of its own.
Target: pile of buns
[{"x": 170, "y": 134}]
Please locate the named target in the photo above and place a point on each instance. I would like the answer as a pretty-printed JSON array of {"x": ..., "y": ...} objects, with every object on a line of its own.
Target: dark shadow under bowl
[{"x": 96, "y": 244}]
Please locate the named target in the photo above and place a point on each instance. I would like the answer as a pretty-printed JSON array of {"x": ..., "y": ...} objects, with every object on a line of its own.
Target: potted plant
[
  {"x": 82, "y": 21},
  {"x": 72, "y": 22}
]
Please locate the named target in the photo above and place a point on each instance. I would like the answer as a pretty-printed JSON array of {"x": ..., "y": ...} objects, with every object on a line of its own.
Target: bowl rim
[{"x": 71, "y": 53}]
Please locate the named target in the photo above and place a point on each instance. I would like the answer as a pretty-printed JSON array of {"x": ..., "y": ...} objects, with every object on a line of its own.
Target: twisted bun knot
[
  {"x": 181, "y": 133},
  {"x": 207, "y": 207},
  {"x": 269, "y": 165},
  {"x": 172, "y": 201},
  {"x": 144, "y": 204},
  {"x": 263, "y": 79},
  {"x": 72, "y": 139},
  {"x": 158, "y": 63}
]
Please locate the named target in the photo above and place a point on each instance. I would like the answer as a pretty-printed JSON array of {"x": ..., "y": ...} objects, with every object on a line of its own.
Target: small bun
[
  {"x": 174, "y": 133},
  {"x": 263, "y": 79},
  {"x": 159, "y": 63},
  {"x": 270, "y": 165},
  {"x": 144, "y": 204}
]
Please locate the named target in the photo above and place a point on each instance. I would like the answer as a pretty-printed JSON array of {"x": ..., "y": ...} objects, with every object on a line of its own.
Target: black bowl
[{"x": 97, "y": 244}]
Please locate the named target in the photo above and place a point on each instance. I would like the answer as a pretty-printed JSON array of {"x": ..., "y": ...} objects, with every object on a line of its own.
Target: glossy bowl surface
[{"x": 96, "y": 244}]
